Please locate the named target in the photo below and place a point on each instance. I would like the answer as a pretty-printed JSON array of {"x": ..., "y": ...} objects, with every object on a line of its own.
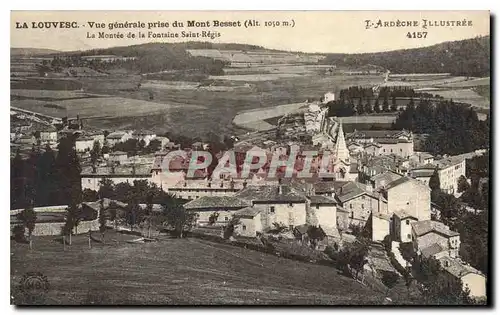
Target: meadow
[{"x": 178, "y": 271}]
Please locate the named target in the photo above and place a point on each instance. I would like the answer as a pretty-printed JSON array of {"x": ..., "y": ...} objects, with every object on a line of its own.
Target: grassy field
[{"x": 179, "y": 271}]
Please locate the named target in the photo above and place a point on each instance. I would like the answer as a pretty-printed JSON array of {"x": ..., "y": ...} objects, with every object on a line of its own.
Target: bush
[{"x": 18, "y": 234}]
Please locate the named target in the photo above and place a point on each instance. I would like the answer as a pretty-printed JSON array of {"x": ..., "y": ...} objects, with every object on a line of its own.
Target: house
[
  {"x": 449, "y": 170},
  {"x": 144, "y": 135},
  {"x": 84, "y": 143},
  {"x": 381, "y": 226},
  {"x": 383, "y": 179},
  {"x": 117, "y": 137},
  {"x": 27, "y": 139},
  {"x": 118, "y": 157},
  {"x": 328, "y": 188},
  {"x": 397, "y": 142},
  {"x": 360, "y": 201},
  {"x": 456, "y": 272},
  {"x": 374, "y": 165},
  {"x": 282, "y": 204},
  {"x": 435, "y": 251},
  {"x": 422, "y": 174},
  {"x": 221, "y": 208},
  {"x": 163, "y": 141},
  {"x": 428, "y": 232},
  {"x": 402, "y": 226},
  {"x": 409, "y": 195},
  {"x": 323, "y": 211},
  {"x": 422, "y": 158},
  {"x": 91, "y": 176},
  {"x": 250, "y": 221},
  {"x": 48, "y": 134},
  {"x": 86, "y": 140},
  {"x": 328, "y": 97}
]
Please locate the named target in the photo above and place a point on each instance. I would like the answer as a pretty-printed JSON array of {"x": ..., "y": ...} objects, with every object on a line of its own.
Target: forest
[
  {"x": 451, "y": 128},
  {"x": 470, "y": 57},
  {"x": 149, "y": 58}
]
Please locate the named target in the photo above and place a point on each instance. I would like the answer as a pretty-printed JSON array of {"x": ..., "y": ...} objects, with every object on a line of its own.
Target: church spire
[{"x": 341, "y": 151}]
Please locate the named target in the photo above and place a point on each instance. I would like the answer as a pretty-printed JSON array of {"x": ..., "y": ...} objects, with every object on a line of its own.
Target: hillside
[
  {"x": 31, "y": 51},
  {"x": 470, "y": 57}
]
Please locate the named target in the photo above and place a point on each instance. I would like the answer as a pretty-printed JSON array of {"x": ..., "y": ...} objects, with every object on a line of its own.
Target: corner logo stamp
[{"x": 34, "y": 284}]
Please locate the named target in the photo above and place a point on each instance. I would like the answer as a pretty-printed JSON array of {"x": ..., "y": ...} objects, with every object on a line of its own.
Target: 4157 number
[{"x": 416, "y": 35}]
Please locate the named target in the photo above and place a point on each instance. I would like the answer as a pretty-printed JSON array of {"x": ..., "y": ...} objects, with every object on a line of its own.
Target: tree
[
  {"x": 385, "y": 104},
  {"x": 360, "y": 109},
  {"x": 463, "y": 185},
  {"x": 315, "y": 235},
  {"x": 434, "y": 183},
  {"x": 113, "y": 214},
  {"x": 89, "y": 195},
  {"x": 28, "y": 219},
  {"x": 231, "y": 227},
  {"x": 357, "y": 260},
  {"x": 106, "y": 188},
  {"x": 72, "y": 214},
  {"x": 134, "y": 215},
  {"x": 154, "y": 145},
  {"x": 213, "y": 218},
  {"x": 102, "y": 219},
  {"x": 95, "y": 153},
  {"x": 394, "y": 105},
  {"x": 376, "y": 107},
  {"x": 177, "y": 217},
  {"x": 368, "y": 106},
  {"x": 389, "y": 279}
]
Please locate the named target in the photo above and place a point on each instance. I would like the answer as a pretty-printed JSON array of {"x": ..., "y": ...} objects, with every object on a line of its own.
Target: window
[
  {"x": 400, "y": 150},
  {"x": 226, "y": 219},
  {"x": 290, "y": 204},
  {"x": 408, "y": 235},
  {"x": 384, "y": 150},
  {"x": 362, "y": 206},
  {"x": 317, "y": 206},
  {"x": 350, "y": 206},
  {"x": 271, "y": 210},
  {"x": 244, "y": 227},
  {"x": 407, "y": 222},
  {"x": 391, "y": 150}
]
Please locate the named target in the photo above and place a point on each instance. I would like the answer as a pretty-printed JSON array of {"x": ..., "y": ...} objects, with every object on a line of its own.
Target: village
[{"x": 375, "y": 187}]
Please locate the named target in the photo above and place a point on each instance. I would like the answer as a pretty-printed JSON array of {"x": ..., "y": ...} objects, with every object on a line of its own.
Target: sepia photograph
[{"x": 267, "y": 158}]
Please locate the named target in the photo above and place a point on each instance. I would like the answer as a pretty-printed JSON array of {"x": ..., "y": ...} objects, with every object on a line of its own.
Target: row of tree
[{"x": 360, "y": 106}]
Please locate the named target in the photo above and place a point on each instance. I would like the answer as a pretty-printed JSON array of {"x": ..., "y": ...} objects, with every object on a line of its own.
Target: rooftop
[
  {"x": 424, "y": 227},
  {"x": 248, "y": 212},
  {"x": 432, "y": 250},
  {"x": 321, "y": 200},
  {"x": 397, "y": 182},
  {"x": 378, "y": 134},
  {"x": 213, "y": 202},
  {"x": 403, "y": 215},
  {"x": 134, "y": 170},
  {"x": 456, "y": 267},
  {"x": 351, "y": 190},
  {"x": 386, "y": 177},
  {"x": 277, "y": 193}
]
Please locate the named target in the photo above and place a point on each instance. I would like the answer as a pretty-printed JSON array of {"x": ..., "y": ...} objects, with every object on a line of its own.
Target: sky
[{"x": 312, "y": 31}]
